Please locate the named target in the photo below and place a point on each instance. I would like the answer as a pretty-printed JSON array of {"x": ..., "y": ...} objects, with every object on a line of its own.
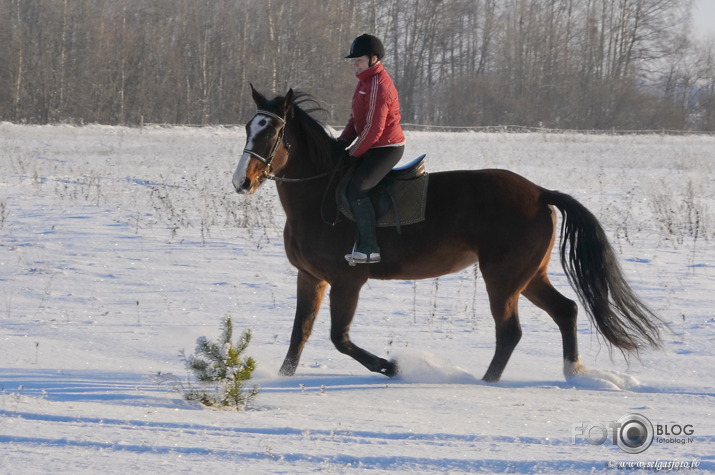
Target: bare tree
[{"x": 556, "y": 63}]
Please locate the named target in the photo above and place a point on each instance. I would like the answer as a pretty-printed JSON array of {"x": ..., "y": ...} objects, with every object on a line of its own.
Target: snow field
[{"x": 120, "y": 246}]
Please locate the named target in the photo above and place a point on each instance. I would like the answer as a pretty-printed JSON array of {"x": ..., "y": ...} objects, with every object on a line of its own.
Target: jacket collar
[{"x": 370, "y": 72}]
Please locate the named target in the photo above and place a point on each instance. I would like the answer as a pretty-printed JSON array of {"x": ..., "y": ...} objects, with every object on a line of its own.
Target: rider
[{"x": 375, "y": 137}]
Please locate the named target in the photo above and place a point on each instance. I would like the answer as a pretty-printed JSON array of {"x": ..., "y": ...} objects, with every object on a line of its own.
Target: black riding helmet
[{"x": 366, "y": 45}]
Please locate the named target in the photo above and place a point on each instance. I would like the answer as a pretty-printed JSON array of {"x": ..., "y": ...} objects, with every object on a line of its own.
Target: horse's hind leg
[
  {"x": 508, "y": 332},
  {"x": 343, "y": 303},
  {"x": 310, "y": 296},
  {"x": 563, "y": 311}
]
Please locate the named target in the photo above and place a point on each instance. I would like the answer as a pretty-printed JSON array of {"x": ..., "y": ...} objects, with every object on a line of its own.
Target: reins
[{"x": 280, "y": 179}]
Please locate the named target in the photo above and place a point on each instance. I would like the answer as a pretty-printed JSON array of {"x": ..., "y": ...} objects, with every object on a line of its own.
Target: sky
[{"x": 704, "y": 17}]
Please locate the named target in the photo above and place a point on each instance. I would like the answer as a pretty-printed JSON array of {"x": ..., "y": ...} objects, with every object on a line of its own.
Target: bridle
[
  {"x": 268, "y": 173},
  {"x": 281, "y": 138}
]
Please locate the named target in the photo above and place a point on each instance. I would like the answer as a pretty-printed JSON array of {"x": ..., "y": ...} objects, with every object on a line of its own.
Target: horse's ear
[
  {"x": 288, "y": 100},
  {"x": 258, "y": 98}
]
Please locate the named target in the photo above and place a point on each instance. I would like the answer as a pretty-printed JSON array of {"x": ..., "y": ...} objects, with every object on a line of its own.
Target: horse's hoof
[{"x": 390, "y": 370}]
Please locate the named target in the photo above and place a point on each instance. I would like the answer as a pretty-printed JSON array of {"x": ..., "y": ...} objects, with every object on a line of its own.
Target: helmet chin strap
[{"x": 372, "y": 63}]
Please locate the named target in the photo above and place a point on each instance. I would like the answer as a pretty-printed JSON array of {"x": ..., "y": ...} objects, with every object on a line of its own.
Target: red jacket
[{"x": 375, "y": 118}]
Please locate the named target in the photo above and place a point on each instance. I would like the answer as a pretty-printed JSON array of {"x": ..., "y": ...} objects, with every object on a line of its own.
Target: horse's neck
[
  {"x": 306, "y": 178},
  {"x": 306, "y": 141},
  {"x": 307, "y": 189},
  {"x": 294, "y": 181}
]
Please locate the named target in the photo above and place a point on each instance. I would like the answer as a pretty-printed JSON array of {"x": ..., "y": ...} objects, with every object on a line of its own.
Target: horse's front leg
[
  {"x": 343, "y": 302},
  {"x": 310, "y": 296}
]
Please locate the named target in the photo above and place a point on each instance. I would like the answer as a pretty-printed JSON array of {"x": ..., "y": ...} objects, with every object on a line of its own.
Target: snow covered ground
[{"x": 120, "y": 246}]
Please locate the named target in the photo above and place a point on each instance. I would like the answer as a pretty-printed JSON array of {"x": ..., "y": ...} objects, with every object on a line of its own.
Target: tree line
[{"x": 578, "y": 64}]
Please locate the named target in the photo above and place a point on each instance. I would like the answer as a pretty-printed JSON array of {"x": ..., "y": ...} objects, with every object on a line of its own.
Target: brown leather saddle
[{"x": 399, "y": 199}]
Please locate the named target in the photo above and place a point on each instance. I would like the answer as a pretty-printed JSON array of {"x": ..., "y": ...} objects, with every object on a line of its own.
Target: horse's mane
[{"x": 322, "y": 148}]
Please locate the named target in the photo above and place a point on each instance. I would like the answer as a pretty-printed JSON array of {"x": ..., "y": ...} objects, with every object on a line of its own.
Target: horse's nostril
[
  {"x": 244, "y": 186},
  {"x": 241, "y": 184}
]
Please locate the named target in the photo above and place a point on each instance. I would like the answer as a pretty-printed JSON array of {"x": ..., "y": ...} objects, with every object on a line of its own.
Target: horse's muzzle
[
  {"x": 242, "y": 185},
  {"x": 241, "y": 181}
]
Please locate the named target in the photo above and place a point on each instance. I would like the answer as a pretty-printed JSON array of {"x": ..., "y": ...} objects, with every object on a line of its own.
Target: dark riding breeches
[{"x": 371, "y": 168}]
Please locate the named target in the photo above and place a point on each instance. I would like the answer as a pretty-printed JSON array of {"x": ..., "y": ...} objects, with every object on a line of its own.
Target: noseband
[{"x": 281, "y": 138}]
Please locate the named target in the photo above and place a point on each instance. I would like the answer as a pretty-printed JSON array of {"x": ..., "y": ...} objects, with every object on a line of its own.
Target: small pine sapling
[{"x": 221, "y": 370}]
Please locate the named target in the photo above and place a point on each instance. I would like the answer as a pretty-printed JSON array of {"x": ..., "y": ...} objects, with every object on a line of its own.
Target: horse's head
[{"x": 266, "y": 149}]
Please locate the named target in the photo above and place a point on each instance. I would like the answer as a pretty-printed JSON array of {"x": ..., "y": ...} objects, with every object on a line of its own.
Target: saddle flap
[{"x": 399, "y": 198}]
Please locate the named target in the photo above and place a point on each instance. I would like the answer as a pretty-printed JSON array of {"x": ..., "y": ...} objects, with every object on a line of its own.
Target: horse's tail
[{"x": 593, "y": 271}]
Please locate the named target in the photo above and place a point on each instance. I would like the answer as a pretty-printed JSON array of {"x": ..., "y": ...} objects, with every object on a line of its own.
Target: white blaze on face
[
  {"x": 253, "y": 129},
  {"x": 240, "y": 174}
]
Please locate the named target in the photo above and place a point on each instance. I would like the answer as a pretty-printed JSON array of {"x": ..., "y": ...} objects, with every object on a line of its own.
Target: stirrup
[{"x": 357, "y": 257}]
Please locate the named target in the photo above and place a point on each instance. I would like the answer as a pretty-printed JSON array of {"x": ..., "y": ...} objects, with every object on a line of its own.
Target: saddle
[{"x": 399, "y": 199}]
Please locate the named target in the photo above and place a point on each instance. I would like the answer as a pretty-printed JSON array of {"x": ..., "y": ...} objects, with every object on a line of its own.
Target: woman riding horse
[{"x": 375, "y": 137}]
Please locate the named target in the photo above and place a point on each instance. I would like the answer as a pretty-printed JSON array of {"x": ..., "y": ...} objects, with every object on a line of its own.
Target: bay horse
[{"x": 495, "y": 218}]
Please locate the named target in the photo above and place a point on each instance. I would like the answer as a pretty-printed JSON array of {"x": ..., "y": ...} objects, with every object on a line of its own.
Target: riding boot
[{"x": 366, "y": 249}]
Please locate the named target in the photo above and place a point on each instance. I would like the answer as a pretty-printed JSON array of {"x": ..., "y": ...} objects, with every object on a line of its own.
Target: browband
[{"x": 270, "y": 114}]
